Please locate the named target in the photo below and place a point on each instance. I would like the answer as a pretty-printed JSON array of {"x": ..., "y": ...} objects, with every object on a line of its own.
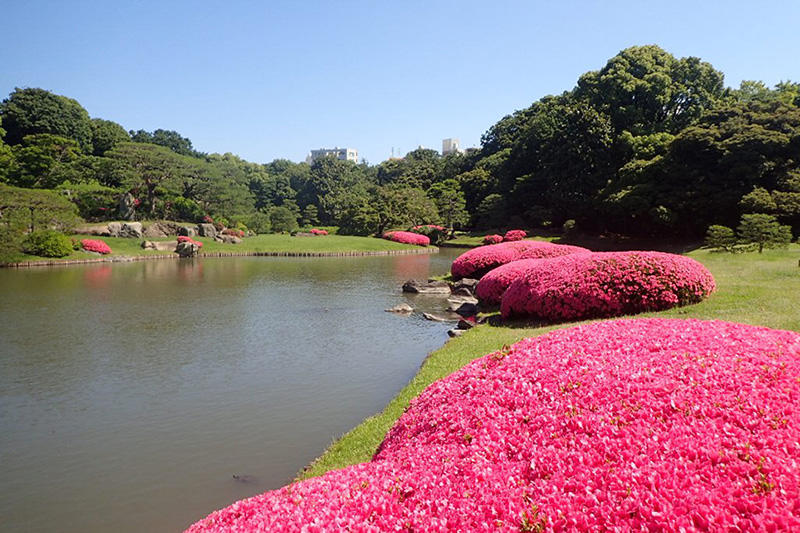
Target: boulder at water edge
[{"x": 426, "y": 287}]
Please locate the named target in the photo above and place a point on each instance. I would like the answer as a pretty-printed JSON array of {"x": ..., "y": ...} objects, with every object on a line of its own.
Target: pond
[{"x": 131, "y": 394}]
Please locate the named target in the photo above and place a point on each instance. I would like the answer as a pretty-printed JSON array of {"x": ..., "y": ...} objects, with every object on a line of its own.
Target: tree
[
  {"x": 282, "y": 220},
  {"x": 310, "y": 215},
  {"x": 34, "y": 111},
  {"x": 720, "y": 238},
  {"x": 168, "y": 139},
  {"x": 43, "y": 161},
  {"x": 106, "y": 134},
  {"x": 763, "y": 231},
  {"x": 149, "y": 170},
  {"x": 450, "y": 203}
]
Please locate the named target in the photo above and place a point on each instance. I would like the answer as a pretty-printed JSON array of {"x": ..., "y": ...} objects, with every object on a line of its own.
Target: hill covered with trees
[{"x": 649, "y": 145}]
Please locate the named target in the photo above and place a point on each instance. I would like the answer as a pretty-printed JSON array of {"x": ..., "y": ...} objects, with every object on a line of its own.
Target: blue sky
[{"x": 272, "y": 79}]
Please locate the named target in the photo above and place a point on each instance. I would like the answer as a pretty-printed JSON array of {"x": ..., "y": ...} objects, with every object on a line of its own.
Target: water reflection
[{"x": 131, "y": 393}]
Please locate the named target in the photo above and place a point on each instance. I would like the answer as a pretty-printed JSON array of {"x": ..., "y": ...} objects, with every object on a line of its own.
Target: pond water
[{"x": 132, "y": 393}]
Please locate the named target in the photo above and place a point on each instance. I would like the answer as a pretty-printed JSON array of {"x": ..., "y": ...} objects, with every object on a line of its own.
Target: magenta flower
[
  {"x": 645, "y": 425},
  {"x": 407, "y": 237},
  {"x": 316, "y": 231},
  {"x": 604, "y": 284},
  {"x": 184, "y": 238},
  {"x": 95, "y": 245},
  {"x": 478, "y": 261}
]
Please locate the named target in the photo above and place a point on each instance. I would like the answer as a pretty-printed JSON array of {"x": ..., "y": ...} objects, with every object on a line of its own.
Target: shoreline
[{"x": 135, "y": 258}]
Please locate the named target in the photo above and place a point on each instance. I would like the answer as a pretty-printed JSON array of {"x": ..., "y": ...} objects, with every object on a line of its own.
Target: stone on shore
[
  {"x": 206, "y": 230},
  {"x": 187, "y": 249},
  {"x": 426, "y": 287},
  {"x": 167, "y": 246},
  {"x": 402, "y": 309}
]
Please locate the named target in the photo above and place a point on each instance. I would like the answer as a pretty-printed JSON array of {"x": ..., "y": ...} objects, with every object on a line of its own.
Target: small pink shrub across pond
[
  {"x": 514, "y": 235},
  {"x": 184, "y": 238},
  {"x": 606, "y": 284},
  {"x": 95, "y": 245},
  {"x": 644, "y": 425},
  {"x": 316, "y": 231},
  {"x": 478, "y": 261},
  {"x": 407, "y": 237}
]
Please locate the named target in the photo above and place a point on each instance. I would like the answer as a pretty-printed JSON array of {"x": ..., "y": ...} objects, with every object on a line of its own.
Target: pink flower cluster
[
  {"x": 316, "y": 231},
  {"x": 235, "y": 232},
  {"x": 478, "y": 261},
  {"x": 493, "y": 239},
  {"x": 645, "y": 425},
  {"x": 515, "y": 235},
  {"x": 605, "y": 284},
  {"x": 494, "y": 283},
  {"x": 407, "y": 237},
  {"x": 95, "y": 245},
  {"x": 184, "y": 238}
]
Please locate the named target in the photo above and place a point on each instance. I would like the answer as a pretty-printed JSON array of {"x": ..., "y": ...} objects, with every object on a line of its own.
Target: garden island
[{"x": 618, "y": 267}]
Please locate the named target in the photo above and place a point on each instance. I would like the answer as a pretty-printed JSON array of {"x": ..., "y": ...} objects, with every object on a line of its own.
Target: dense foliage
[
  {"x": 478, "y": 261},
  {"x": 648, "y": 145},
  {"x": 642, "y": 425},
  {"x": 47, "y": 243}
]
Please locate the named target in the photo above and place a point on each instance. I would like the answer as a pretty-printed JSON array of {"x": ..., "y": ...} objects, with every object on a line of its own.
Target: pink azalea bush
[
  {"x": 407, "y": 237},
  {"x": 316, "y": 231},
  {"x": 234, "y": 232},
  {"x": 95, "y": 245},
  {"x": 493, "y": 239},
  {"x": 184, "y": 238},
  {"x": 494, "y": 283},
  {"x": 478, "y": 261},
  {"x": 606, "y": 284},
  {"x": 428, "y": 227},
  {"x": 514, "y": 235},
  {"x": 646, "y": 425}
]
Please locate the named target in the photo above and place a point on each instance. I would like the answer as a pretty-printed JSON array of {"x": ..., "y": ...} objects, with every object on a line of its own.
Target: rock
[
  {"x": 426, "y": 287},
  {"x": 435, "y": 318},
  {"x": 187, "y": 232},
  {"x": 403, "y": 309},
  {"x": 206, "y": 230},
  {"x": 114, "y": 228},
  {"x": 161, "y": 229},
  {"x": 100, "y": 231},
  {"x": 187, "y": 249},
  {"x": 465, "y": 324},
  {"x": 131, "y": 230},
  {"x": 462, "y": 291},
  {"x": 127, "y": 206},
  {"x": 455, "y": 332},
  {"x": 168, "y": 246},
  {"x": 465, "y": 283},
  {"x": 467, "y": 309},
  {"x": 463, "y": 305},
  {"x": 228, "y": 239}
]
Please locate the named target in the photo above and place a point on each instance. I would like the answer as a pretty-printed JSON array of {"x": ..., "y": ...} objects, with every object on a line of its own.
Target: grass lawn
[
  {"x": 760, "y": 289},
  {"x": 277, "y": 243}
]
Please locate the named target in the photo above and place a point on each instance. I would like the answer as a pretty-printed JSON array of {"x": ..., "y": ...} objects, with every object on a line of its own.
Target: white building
[
  {"x": 450, "y": 146},
  {"x": 345, "y": 154}
]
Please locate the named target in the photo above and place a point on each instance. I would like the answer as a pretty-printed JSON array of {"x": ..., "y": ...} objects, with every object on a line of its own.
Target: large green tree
[
  {"x": 106, "y": 134},
  {"x": 34, "y": 111}
]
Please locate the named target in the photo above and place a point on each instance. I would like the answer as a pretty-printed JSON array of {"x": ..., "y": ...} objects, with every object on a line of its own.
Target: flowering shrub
[
  {"x": 207, "y": 219},
  {"x": 606, "y": 284},
  {"x": 184, "y": 238},
  {"x": 235, "y": 232},
  {"x": 478, "y": 261},
  {"x": 493, "y": 239},
  {"x": 316, "y": 231},
  {"x": 646, "y": 425},
  {"x": 428, "y": 227},
  {"x": 494, "y": 283},
  {"x": 514, "y": 235},
  {"x": 407, "y": 237},
  {"x": 95, "y": 245}
]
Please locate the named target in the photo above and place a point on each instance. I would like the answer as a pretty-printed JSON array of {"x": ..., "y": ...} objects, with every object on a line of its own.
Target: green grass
[
  {"x": 276, "y": 243},
  {"x": 760, "y": 289}
]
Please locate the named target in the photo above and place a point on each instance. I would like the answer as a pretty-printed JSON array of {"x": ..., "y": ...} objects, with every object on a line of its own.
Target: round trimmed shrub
[
  {"x": 478, "y": 261},
  {"x": 605, "y": 284},
  {"x": 494, "y": 283},
  {"x": 514, "y": 235},
  {"x": 96, "y": 245},
  {"x": 493, "y": 239},
  {"x": 645, "y": 425},
  {"x": 47, "y": 243},
  {"x": 407, "y": 237}
]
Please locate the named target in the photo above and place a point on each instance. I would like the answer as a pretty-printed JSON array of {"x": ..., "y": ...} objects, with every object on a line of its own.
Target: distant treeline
[{"x": 650, "y": 145}]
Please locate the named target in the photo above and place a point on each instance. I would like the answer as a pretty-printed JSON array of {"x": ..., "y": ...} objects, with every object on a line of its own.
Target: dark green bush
[{"x": 47, "y": 243}]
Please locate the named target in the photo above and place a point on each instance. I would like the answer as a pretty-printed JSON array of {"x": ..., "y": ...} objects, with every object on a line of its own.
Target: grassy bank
[
  {"x": 760, "y": 289},
  {"x": 271, "y": 243}
]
